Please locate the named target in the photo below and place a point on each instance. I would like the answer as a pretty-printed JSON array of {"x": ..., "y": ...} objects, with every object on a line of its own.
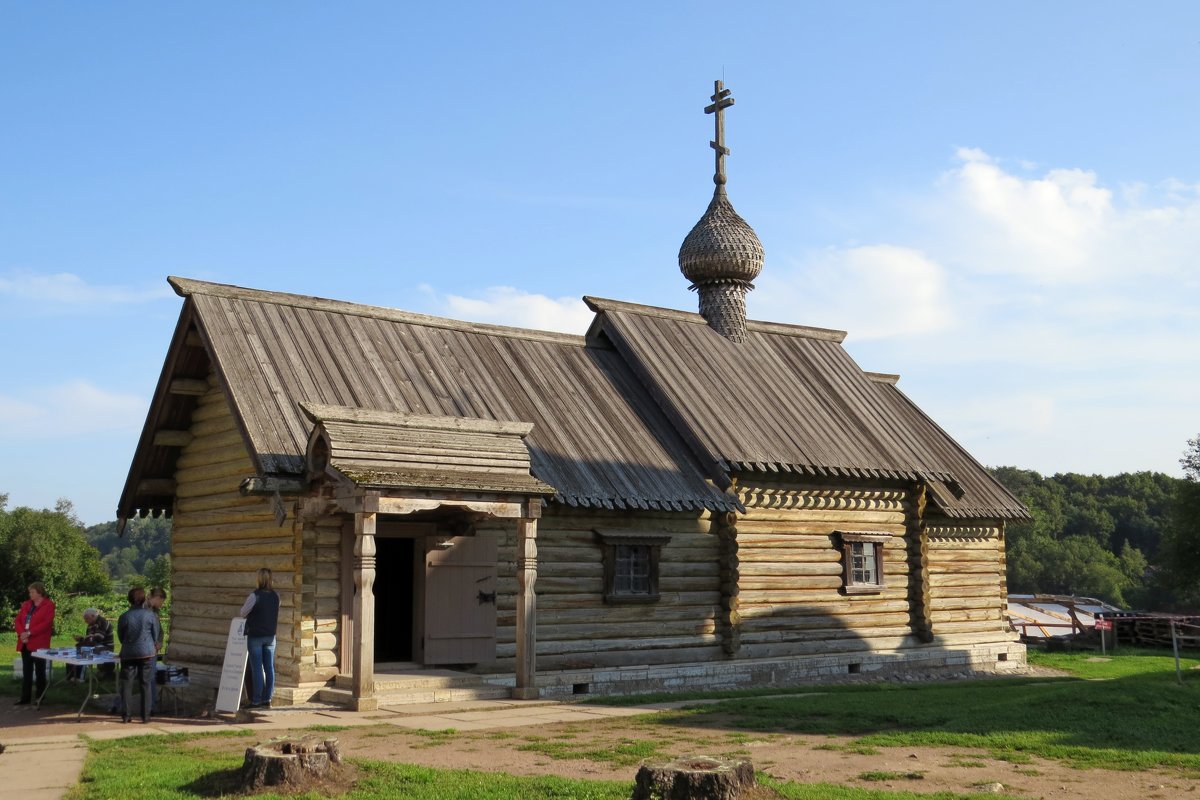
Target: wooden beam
[
  {"x": 363, "y": 679},
  {"x": 194, "y": 387},
  {"x": 527, "y": 568},
  {"x": 408, "y": 505},
  {"x": 267, "y": 485},
  {"x": 192, "y": 339},
  {"x": 165, "y": 438},
  {"x": 156, "y": 486}
]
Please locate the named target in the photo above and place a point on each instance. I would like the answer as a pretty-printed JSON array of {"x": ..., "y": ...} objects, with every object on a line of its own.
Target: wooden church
[{"x": 673, "y": 500}]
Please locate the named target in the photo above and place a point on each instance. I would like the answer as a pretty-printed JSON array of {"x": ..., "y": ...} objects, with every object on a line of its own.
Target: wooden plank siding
[{"x": 219, "y": 540}]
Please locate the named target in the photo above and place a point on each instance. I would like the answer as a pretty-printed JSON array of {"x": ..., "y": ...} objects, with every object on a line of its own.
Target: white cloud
[
  {"x": 874, "y": 292},
  {"x": 65, "y": 289},
  {"x": 68, "y": 409},
  {"x": 504, "y": 305},
  {"x": 1072, "y": 343}
]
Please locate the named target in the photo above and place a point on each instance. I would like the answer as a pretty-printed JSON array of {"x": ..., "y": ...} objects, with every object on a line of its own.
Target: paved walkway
[{"x": 45, "y": 750}]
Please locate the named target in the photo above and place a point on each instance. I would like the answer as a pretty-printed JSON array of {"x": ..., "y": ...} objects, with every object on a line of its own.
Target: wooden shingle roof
[
  {"x": 791, "y": 399},
  {"x": 651, "y": 410},
  {"x": 598, "y": 438}
]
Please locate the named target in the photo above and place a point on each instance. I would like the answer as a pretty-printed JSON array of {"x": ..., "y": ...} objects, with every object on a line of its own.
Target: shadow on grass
[
  {"x": 219, "y": 783},
  {"x": 1142, "y": 713}
]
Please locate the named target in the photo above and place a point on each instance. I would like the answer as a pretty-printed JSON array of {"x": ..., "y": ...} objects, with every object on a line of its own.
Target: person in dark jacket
[
  {"x": 140, "y": 633},
  {"x": 34, "y": 625},
  {"x": 99, "y": 636},
  {"x": 261, "y": 612}
]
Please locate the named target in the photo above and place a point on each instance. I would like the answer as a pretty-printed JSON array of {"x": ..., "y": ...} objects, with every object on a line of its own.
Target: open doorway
[{"x": 395, "y": 598}]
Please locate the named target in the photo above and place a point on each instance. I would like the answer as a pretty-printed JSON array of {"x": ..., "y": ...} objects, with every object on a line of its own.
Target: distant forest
[
  {"x": 144, "y": 550},
  {"x": 1095, "y": 536}
]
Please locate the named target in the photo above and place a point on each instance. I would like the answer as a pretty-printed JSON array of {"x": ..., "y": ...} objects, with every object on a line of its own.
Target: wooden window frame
[
  {"x": 610, "y": 541},
  {"x": 848, "y": 539}
]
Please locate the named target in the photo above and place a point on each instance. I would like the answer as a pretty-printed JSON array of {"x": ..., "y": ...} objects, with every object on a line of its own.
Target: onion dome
[{"x": 722, "y": 254}]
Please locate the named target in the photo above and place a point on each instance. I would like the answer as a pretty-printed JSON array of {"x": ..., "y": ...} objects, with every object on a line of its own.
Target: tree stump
[
  {"x": 294, "y": 763},
  {"x": 694, "y": 778}
]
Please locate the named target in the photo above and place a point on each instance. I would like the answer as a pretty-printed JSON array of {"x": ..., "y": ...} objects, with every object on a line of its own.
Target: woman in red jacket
[{"x": 34, "y": 623}]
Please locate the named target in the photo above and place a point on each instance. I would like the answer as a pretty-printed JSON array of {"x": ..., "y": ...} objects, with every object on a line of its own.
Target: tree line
[{"x": 1131, "y": 539}]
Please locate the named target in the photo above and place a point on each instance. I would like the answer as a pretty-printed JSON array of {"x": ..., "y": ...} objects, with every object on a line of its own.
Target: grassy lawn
[
  {"x": 180, "y": 768},
  {"x": 1124, "y": 713}
]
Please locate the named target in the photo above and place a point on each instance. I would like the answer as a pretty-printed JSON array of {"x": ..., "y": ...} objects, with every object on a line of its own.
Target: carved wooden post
[
  {"x": 526, "y": 688},
  {"x": 364, "y": 611}
]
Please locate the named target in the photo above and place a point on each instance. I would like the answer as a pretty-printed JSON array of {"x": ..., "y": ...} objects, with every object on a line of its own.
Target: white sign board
[{"x": 233, "y": 669}]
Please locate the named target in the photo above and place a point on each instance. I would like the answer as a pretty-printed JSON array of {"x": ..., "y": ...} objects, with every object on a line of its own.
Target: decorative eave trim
[
  {"x": 830, "y": 499},
  {"x": 963, "y": 531}
]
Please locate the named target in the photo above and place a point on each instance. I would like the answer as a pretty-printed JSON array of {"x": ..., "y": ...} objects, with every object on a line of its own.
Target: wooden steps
[{"x": 410, "y": 687}]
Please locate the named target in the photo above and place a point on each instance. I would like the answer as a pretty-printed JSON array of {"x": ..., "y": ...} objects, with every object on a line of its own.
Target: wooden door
[{"x": 460, "y": 599}]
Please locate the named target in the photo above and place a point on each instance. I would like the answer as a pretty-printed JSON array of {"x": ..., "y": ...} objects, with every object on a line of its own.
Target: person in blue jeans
[{"x": 261, "y": 612}]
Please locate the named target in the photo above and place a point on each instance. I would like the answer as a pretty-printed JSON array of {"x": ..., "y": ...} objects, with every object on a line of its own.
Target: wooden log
[
  {"x": 295, "y": 764},
  {"x": 275, "y": 563}
]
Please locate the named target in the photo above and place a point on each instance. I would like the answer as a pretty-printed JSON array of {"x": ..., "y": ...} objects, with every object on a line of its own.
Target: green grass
[
  {"x": 627, "y": 752},
  {"x": 1127, "y": 713},
  {"x": 179, "y": 768},
  {"x": 884, "y": 775}
]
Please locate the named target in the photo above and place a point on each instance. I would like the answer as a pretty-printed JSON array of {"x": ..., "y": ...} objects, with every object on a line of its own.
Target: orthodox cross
[{"x": 721, "y": 101}]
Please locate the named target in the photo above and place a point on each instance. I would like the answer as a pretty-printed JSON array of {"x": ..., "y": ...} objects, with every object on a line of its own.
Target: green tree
[
  {"x": 46, "y": 546},
  {"x": 144, "y": 541},
  {"x": 1181, "y": 546}
]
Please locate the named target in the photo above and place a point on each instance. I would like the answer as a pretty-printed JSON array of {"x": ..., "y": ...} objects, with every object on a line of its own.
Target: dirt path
[{"x": 611, "y": 750}]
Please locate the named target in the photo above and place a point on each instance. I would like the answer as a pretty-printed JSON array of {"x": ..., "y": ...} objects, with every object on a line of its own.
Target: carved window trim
[
  {"x": 862, "y": 561},
  {"x": 631, "y": 550}
]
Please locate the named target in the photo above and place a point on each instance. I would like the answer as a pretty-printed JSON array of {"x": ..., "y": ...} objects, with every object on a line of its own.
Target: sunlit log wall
[
  {"x": 219, "y": 541},
  {"x": 576, "y": 629},
  {"x": 944, "y": 582}
]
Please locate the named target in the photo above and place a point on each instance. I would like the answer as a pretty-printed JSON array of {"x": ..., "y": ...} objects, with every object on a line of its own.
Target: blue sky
[{"x": 1000, "y": 202}]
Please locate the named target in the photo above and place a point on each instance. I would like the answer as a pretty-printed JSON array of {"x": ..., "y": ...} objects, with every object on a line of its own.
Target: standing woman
[
  {"x": 34, "y": 624},
  {"x": 261, "y": 612},
  {"x": 140, "y": 633}
]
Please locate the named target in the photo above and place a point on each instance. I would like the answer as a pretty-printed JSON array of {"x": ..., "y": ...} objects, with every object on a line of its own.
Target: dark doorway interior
[{"x": 394, "y": 599}]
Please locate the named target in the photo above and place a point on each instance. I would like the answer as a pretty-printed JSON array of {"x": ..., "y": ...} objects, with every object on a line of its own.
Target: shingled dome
[
  {"x": 721, "y": 255},
  {"x": 721, "y": 247}
]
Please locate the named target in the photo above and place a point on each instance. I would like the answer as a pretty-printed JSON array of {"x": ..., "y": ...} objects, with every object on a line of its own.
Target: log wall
[
  {"x": 219, "y": 540},
  {"x": 791, "y": 570},
  {"x": 576, "y": 629},
  {"x": 968, "y": 590},
  {"x": 320, "y": 604}
]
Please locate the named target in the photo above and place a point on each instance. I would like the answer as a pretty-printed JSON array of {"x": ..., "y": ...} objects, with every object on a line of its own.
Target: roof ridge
[
  {"x": 599, "y": 304},
  {"x": 188, "y": 286}
]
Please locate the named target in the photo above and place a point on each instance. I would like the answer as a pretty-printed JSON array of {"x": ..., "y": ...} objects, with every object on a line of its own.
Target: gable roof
[
  {"x": 791, "y": 399},
  {"x": 598, "y": 438},
  {"x": 652, "y": 409}
]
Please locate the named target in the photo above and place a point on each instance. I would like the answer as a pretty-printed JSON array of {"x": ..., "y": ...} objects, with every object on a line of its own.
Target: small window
[
  {"x": 862, "y": 556},
  {"x": 631, "y": 565}
]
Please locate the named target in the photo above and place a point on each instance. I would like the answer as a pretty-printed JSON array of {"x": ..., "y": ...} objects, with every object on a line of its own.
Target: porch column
[
  {"x": 364, "y": 612},
  {"x": 526, "y": 688}
]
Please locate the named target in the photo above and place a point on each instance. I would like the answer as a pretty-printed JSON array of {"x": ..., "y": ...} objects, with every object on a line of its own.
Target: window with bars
[
  {"x": 631, "y": 565},
  {"x": 862, "y": 557}
]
